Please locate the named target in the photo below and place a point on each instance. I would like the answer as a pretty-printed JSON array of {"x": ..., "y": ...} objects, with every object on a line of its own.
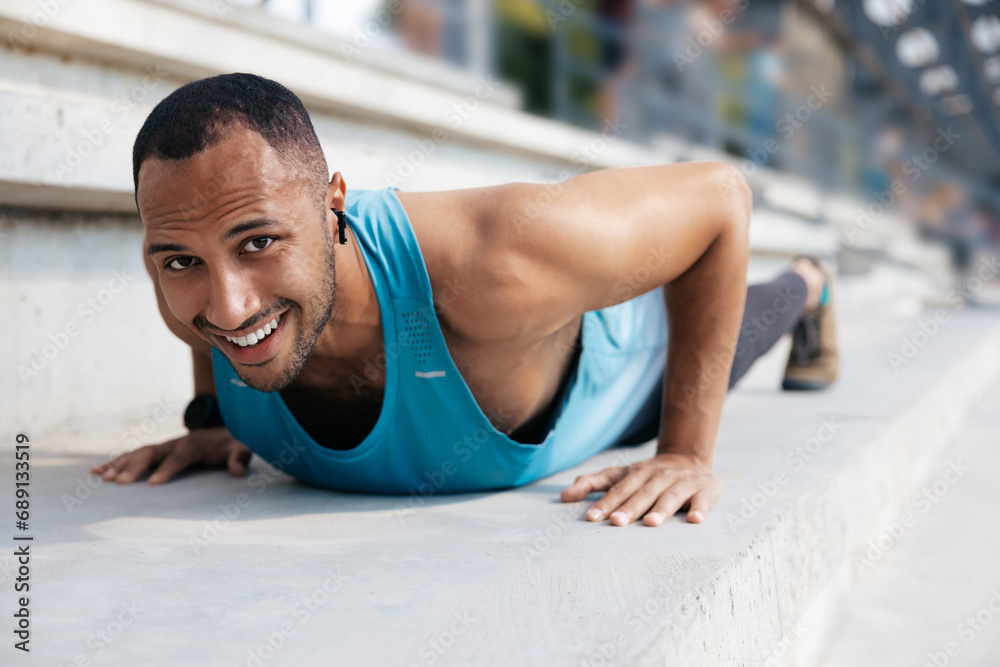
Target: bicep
[{"x": 607, "y": 236}]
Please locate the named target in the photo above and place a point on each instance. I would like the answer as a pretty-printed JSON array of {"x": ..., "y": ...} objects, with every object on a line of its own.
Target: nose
[{"x": 232, "y": 299}]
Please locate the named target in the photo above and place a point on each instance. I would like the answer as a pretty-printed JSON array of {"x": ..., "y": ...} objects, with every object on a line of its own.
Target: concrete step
[
  {"x": 216, "y": 570},
  {"x": 934, "y": 597}
]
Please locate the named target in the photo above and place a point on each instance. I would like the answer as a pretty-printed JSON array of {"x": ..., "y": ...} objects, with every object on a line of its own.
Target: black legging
[{"x": 771, "y": 311}]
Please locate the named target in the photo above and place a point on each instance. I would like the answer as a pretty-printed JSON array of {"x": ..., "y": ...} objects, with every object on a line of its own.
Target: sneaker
[{"x": 814, "y": 360}]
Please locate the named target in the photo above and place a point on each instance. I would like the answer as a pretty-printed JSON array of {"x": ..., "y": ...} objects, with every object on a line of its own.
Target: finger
[
  {"x": 239, "y": 457},
  {"x": 134, "y": 465},
  {"x": 586, "y": 484},
  {"x": 598, "y": 481},
  {"x": 618, "y": 494},
  {"x": 669, "y": 502},
  {"x": 642, "y": 499},
  {"x": 115, "y": 467},
  {"x": 99, "y": 468},
  {"x": 177, "y": 460},
  {"x": 110, "y": 468},
  {"x": 700, "y": 504}
]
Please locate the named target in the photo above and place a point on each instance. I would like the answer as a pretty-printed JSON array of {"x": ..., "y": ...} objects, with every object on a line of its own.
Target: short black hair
[{"x": 198, "y": 115}]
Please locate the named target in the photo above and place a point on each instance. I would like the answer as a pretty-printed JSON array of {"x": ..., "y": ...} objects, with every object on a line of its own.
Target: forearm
[
  {"x": 204, "y": 383},
  {"x": 704, "y": 311},
  {"x": 696, "y": 217}
]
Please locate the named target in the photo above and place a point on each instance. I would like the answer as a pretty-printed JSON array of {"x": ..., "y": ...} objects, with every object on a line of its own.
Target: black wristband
[{"x": 203, "y": 412}]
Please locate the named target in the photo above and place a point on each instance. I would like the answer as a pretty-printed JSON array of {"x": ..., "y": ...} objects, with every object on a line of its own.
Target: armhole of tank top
[{"x": 415, "y": 260}]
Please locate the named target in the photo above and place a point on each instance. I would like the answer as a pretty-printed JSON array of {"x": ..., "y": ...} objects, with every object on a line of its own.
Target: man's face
[{"x": 237, "y": 242}]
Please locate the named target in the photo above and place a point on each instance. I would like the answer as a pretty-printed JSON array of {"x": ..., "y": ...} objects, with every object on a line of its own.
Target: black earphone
[{"x": 341, "y": 224}]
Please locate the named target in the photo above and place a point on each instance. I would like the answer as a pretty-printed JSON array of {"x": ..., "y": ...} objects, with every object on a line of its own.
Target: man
[{"x": 449, "y": 341}]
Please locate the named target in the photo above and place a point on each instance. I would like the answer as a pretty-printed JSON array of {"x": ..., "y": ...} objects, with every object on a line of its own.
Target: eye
[
  {"x": 253, "y": 245},
  {"x": 179, "y": 263}
]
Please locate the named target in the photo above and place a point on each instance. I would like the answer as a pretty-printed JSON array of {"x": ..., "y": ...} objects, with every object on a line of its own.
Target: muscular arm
[
  {"x": 605, "y": 237},
  {"x": 204, "y": 382}
]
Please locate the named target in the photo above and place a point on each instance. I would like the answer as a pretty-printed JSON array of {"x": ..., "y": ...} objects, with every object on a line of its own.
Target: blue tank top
[{"x": 431, "y": 435}]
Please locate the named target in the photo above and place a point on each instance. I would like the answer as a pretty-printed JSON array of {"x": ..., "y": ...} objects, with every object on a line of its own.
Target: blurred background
[
  {"x": 868, "y": 130},
  {"x": 886, "y": 109}
]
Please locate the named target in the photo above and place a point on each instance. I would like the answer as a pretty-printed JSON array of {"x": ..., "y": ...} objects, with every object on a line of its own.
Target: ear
[
  {"x": 335, "y": 198},
  {"x": 336, "y": 193}
]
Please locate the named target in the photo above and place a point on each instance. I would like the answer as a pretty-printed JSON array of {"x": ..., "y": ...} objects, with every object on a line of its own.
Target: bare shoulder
[
  {"x": 520, "y": 260},
  {"x": 484, "y": 290}
]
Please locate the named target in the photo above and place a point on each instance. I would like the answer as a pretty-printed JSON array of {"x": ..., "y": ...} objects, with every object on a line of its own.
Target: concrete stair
[
  {"x": 262, "y": 570},
  {"x": 934, "y": 598}
]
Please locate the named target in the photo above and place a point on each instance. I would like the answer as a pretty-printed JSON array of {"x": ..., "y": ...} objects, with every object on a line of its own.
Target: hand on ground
[
  {"x": 210, "y": 447},
  {"x": 653, "y": 489}
]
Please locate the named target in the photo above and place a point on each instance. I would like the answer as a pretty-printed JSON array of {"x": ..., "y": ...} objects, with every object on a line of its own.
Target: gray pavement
[
  {"x": 932, "y": 596},
  {"x": 213, "y": 570}
]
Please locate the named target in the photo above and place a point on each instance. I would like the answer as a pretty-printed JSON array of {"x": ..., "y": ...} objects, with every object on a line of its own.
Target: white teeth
[{"x": 257, "y": 336}]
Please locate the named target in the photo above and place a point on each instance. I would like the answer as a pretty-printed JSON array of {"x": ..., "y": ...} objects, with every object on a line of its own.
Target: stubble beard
[{"x": 321, "y": 301}]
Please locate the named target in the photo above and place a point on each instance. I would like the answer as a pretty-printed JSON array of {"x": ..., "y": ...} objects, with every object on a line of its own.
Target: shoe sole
[{"x": 803, "y": 385}]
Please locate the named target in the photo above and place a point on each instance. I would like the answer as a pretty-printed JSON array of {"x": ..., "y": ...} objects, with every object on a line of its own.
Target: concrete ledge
[
  {"x": 194, "y": 44},
  {"x": 360, "y": 49},
  {"x": 799, "y": 566},
  {"x": 917, "y": 607},
  {"x": 265, "y": 569},
  {"x": 78, "y": 79},
  {"x": 60, "y": 198}
]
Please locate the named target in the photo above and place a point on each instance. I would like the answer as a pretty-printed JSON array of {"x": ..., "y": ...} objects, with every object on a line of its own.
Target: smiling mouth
[{"x": 255, "y": 338}]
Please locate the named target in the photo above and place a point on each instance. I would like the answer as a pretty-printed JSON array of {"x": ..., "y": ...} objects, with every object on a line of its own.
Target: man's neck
[{"x": 354, "y": 332}]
